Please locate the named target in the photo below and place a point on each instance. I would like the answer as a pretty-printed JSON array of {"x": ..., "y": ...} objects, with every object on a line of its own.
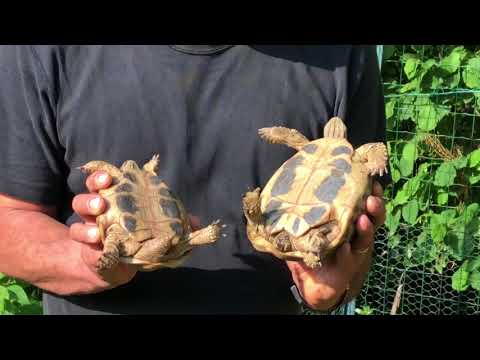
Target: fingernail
[
  {"x": 93, "y": 233},
  {"x": 102, "y": 178},
  {"x": 94, "y": 204}
]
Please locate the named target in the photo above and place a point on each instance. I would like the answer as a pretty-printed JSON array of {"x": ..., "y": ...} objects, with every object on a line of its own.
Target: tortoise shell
[
  {"x": 317, "y": 185},
  {"x": 145, "y": 222}
]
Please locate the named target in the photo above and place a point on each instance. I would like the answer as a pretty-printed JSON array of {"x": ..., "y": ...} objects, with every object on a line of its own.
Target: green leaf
[
  {"x": 474, "y": 280},
  {"x": 473, "y": 179},
  {"x": 408, "y": 159},
  {"x": 412, "y": 85},
  {"x": 392, "y": 220},
  {"x": 396, "y": 175},
  {"x": 448, "y": 216},
  {"x": 460, "y": 278},
  {"x": 445, "y": 175},
  {"x": 410, "y": 211},
  {"x": 411, "y": 66},
  {"x": 401, "y": 197},
  {"x": 473, "y": 264},
  {"x": 429, "y": 115},
  {"x": 393, "y": 240},
  {"x": 471, "y": 74},
  {"x": 460, "y": 162},
  {"x": 438, "y": 228},
  {"x": 389, "y": 108},
  {"x": 20, "y": 294},
  {"x": 471, "y": 212},
  {"x": 474, "y": 158},
  {"x": 442, "y": 198},
  {"x": 452, "y": 62}
]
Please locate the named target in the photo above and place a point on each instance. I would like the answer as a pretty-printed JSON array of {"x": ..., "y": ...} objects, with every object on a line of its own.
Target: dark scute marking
[
  {"x": 272, "y": 205},
  {"x": 310, "y": 148},
  {"x": 272, "y": 217},
  {"x": 124, "y": 188},
  {"x": 114, "y": 180},
  {"x": 165, "y": 192},
  {"x": 327, "y": 191},
  {"x": 155, "y": 180},
  {"x": 343, "y": 165},
  {"x": 292, "y": 163},
  {"x": 341, "y": 150},
  {"x": 296, "y": 224},
  {"x": 130, "y": 176},
  {"x": 177, "y": 228},
  {"x": 285, "y": 179},
  {"x": 314, "y": 215},
  {"x": 127, "y": 203},
  {"x": 170, "y": 208},
  {"x": 337, "y": 173},
  {"x": 130, "y": 223},
  {"x": 272, "y": 212}
]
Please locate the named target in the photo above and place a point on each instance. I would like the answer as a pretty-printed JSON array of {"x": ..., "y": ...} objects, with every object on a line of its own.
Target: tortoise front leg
[
  {"x": 207, "y": 235},
  {"x": 283, "y": 135},
  {"x": 375, "y": 157},
  {"x": 93, "y": 166}
]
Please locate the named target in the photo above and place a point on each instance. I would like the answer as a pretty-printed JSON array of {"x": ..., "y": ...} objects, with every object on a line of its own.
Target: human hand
[
  {"x": 342, "y": 275},
  {"x": 88, "y": 206}
]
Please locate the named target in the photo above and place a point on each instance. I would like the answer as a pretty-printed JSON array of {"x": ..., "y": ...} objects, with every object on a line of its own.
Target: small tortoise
[
  {"x": 309, "y": 205},
  {"x": 145, "y": 223}
]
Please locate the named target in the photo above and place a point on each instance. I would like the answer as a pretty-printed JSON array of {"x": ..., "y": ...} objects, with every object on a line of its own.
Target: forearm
[{"x": 38, "y": 249}]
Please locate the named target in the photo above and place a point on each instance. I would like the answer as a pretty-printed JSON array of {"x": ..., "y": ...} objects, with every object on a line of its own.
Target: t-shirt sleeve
[
  {"x": 31, "y": 156},
  {"x": 366, "y": 105}
]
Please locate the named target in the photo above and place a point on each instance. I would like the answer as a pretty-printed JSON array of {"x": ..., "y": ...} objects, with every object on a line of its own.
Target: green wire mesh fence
[{"x": 427, "y": 257}]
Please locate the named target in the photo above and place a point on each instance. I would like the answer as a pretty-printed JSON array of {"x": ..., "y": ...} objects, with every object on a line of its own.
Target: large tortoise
[
  {"x": 145, "y": 223},
  {"x": 309, "y": 206}
]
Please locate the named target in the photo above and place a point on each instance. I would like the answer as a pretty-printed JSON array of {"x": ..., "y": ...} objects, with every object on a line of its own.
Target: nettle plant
[
  {"x": 18, "y": 297},
  {"x": 432, "y": 106}
]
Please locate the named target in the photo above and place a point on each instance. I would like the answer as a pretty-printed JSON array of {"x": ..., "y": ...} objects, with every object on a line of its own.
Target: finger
[
  {"x": 376, "y": 210},
  {"x": 91, "y": 254},
  {"x": 85, "y": 233},
  {"x": 364, "y": 236},
  {"x": 195, "y": 222},
  {"x": 88, "y": 205},
  {"x": 346, "y": 264},
  {"x": 377, "y": 189},
  {"x": 98, "y": 180}
]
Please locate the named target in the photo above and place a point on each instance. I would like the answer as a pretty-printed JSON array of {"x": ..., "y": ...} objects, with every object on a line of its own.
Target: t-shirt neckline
[{"x": 200, "y": 49}]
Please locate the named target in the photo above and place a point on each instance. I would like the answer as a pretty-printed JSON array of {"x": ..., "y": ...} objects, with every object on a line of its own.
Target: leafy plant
[
  {"x": 432, "y": 104},
  {"x": 18, "y": 297},
  {"x": 364, "y": 310}
]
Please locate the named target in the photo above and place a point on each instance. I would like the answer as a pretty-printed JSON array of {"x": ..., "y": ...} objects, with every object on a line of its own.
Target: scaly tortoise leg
[
  {"x": 152, "y": 165},
  {"x": 335, "y": 128},
  {"x": 283, "y": 135},
  {"x": 93, "y": 166},
  {"x": 207, "y": 235},
  {"x": 375, "y": 157},
  {"x": 111, "y": 252}
]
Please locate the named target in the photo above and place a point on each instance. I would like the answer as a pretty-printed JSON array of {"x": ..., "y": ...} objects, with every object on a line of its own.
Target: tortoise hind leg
[
  {"x": 111, "y": 252},
  {"x": 152, "y": 165},
  {"x": 251, "y": 207},
  {"x": 283, "y": 135},
  {"x": 375, "y": 157}
]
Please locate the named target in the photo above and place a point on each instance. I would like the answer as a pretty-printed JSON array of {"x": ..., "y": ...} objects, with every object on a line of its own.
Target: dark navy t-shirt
[{"x": 199, "y": 107}]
